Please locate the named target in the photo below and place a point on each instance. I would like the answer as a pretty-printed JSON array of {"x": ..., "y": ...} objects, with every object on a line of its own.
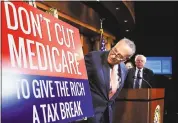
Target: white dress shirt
[
  {"x": 141, "y": 75},
  {"x": 115, "y": 68}
]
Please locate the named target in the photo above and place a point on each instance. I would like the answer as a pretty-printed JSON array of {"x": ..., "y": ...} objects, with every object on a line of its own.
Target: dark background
[{"x": 155, "y": 34}]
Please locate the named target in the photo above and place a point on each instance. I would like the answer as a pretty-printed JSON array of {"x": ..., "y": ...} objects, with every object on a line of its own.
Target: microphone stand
[{"x": 143, "y": 80}]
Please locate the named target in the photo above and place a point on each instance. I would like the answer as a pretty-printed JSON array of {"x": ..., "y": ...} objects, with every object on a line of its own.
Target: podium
[{"x": 139, "y": 106}]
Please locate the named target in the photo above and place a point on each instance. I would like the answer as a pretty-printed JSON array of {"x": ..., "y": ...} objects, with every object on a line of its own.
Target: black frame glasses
[{"x": 118, "y": 56}]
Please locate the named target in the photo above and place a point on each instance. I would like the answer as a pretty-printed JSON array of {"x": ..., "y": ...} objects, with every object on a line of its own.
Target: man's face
[
  {"x": 140, "y": 62},
  {"x": 119, "y": 53},
  {"x": 129, "y": 65}
]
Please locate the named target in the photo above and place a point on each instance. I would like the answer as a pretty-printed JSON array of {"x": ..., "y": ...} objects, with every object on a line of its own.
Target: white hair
[
  {"x": 139, "y": 55},
  {"x": 130, "y": 43}
]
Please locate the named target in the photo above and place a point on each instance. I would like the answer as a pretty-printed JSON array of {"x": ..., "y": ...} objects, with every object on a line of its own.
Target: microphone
[{"x": 143, "y": 80}]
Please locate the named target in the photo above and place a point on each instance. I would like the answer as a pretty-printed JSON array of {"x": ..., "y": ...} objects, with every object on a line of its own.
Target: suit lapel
[
  {"x": 144, "y": 73},
  {"x": 122, "y": 74},
  {"x": 144, "y": 76}
]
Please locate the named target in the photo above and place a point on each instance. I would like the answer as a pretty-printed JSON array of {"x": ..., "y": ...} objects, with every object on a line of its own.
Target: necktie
[
  {"x": 137, "y": 79},
  {"x": 113, "y": 82}
]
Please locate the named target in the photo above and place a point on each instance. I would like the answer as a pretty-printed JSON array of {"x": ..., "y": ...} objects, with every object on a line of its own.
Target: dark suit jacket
[
  {"x": 98, "y": 71},
  {"x": 148, "y": 76}
]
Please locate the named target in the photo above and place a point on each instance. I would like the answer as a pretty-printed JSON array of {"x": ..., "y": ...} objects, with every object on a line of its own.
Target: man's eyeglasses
[{"x": 118, "y": 56}]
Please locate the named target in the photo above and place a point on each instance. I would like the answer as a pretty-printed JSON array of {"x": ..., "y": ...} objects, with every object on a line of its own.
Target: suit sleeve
[
  {"x": 152, "y": 79},
  {"x": 91, "y": 72},
  {"x": 89, "y": 64}
]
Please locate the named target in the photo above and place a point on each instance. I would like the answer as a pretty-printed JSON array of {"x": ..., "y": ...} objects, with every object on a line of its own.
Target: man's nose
[{"x": 112, "y": 56}]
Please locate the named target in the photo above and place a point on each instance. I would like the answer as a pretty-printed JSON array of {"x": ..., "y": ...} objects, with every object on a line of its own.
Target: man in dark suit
[
  {"x": 106, "y": 74},
  {"x": 139, "y": 76}
]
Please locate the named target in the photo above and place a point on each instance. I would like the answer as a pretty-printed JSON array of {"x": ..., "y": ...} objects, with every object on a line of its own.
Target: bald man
[{"x": 139, "y": 76}]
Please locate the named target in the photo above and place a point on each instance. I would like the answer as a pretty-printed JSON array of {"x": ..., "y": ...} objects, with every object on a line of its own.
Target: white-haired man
[{"x": 140, "y": 76}]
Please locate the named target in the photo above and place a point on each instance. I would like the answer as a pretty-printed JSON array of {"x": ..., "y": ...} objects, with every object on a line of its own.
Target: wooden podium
[{"x": 139, "y": 106}]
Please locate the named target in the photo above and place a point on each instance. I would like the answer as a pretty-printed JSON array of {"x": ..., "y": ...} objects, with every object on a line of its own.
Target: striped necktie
[
  {"x": 114, "y": 81},
  {"x": 137, "y": 79}
]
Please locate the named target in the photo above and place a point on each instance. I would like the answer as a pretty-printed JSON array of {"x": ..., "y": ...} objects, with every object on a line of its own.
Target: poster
[{"x": 44, "y": 77}]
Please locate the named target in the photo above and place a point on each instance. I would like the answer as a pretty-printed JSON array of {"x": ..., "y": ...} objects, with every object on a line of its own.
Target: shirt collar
[{"x": 138, "y": 69}]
